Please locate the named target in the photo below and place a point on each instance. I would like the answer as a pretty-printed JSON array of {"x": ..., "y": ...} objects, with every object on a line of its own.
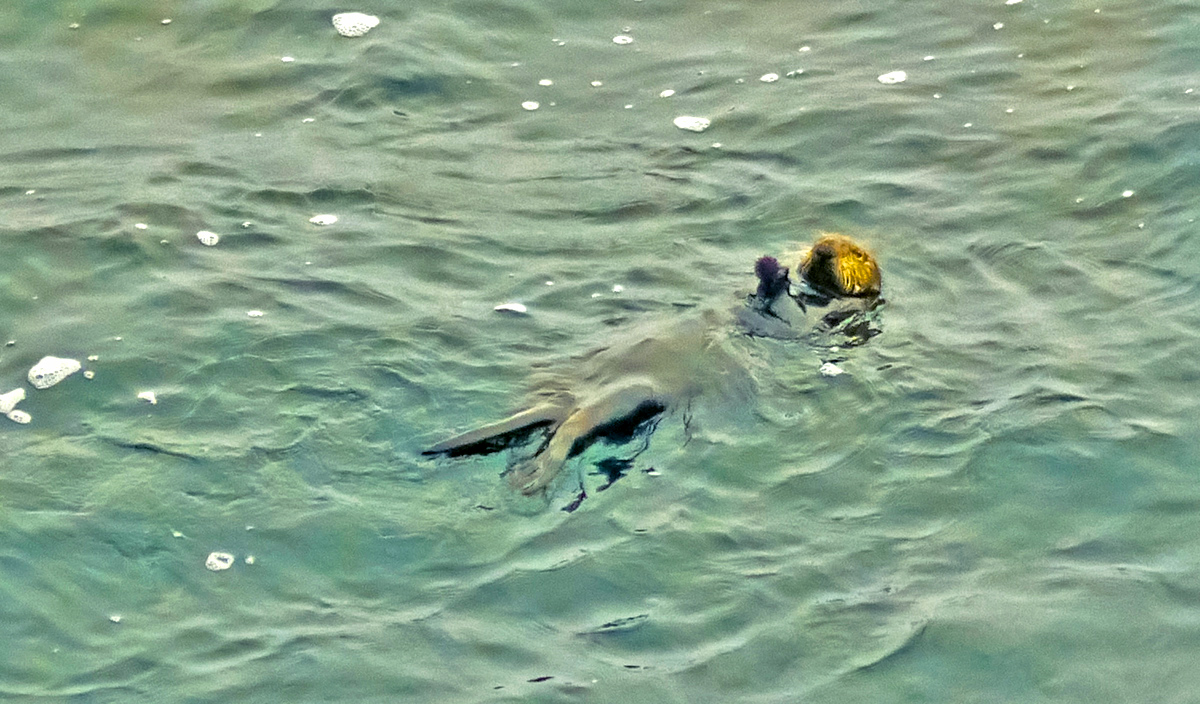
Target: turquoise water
[{"x": 997, "y": 502}]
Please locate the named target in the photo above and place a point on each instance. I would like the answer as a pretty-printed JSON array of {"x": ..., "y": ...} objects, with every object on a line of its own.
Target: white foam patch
[
  {"x": 354, "y": 24},
  {"x": 52, "y": 370},
  {"x": 323, "y": 219},
  {"x": 19, "y": 417},
  {"x": 831, "y": 369},
  {"x": 893, "y": 77},
  {"x": 208, "y": 239},
  {"x": 218, "y": 561},
  {"x": 518, "y": 308},
  {"x": 10, "y": 400},
  {"x": 149, "y": 396},
  {"x": 692, "y": 123}
]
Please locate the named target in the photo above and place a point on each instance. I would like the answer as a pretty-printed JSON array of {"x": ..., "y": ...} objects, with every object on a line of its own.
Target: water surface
[{"x": 997, "y": 501}]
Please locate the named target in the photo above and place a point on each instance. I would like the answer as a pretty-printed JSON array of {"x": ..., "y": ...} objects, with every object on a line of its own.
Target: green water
[{"x": 998, "y": 502}]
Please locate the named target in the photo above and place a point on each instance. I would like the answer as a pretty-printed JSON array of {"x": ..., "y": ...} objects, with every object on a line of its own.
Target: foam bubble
[
  {"x": 354, "y": 24},
  {"x": 622, "y": 39},
  {"x": 10, "y": 400},
  {"x": 218, "y": 561},
  {"x": 893, "y": 77},
  {"x": 208, "y": 239},
  {"x": 323, "y": 219},
  {"x": 666, "y": 93},
  {"x": 51, "y": 370},
  {"x": 692, "y": 123},
  {"x": 769, "y": 77}
]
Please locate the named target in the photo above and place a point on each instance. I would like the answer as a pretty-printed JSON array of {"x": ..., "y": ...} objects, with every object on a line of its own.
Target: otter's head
[{"x": 836, "y": 265}]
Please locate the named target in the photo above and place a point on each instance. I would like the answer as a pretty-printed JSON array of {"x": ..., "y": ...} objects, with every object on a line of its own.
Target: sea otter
[{"x": 622, "y": 390}]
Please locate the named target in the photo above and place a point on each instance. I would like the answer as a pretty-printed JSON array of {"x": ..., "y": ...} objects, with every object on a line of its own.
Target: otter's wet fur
[
  {"x": 623, "y": 389},
  {"x": 838, "y": 266}
]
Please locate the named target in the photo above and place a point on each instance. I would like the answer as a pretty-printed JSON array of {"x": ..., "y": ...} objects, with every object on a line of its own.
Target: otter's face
[{"x": 840, "y": 267}]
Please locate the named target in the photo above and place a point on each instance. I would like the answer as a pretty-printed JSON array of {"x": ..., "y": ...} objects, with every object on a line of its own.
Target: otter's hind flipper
[
  {"x": 498, "y": 436},
  {"x": 616, "y": 416}
]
